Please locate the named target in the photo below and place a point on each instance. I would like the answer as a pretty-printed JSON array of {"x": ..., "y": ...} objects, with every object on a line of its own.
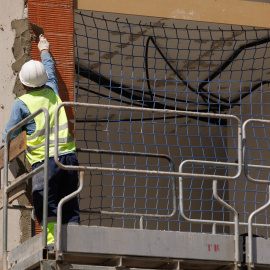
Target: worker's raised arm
[{"x": 47, "y": 61}]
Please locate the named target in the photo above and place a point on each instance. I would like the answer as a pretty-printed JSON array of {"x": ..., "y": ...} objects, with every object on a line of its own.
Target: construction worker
[{"x": 39, "y": 81}]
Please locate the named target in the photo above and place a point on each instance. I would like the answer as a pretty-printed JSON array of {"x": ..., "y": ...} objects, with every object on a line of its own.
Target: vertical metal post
[
  {"x": 141, "y": 222},
  {"x": 236, "y": 224},
  {"x": 214, "y": 228},
  {"x": 46, "y": 178},
  {"x": 172, "y": 169},
  {"x": 59, "y": 216},
  {"x": 250, "y": 260}
]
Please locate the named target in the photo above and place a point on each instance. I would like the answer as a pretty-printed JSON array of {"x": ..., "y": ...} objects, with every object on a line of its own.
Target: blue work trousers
[{"x": 61, "y": 183}]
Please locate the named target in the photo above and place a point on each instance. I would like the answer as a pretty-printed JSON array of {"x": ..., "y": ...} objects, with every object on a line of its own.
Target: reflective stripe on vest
[
  {"x": 42, "y": 132},
  {"x": 46, "y": 98},
  {"x": 63, "y": 140}
]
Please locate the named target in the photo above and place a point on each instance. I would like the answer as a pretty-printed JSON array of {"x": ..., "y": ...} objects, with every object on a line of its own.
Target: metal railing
[
  {"x": 250, "y": 255},
  {"x": 7, "y": 189},
  {"x": 236, "y": 222},
  {"x": 181, "y": 197},
  {"x": 149, "y": 172},
  {"x": 180, "y": 174},
  {"x": 217, "y": 197},
  {"x": 141, "y": 215}
]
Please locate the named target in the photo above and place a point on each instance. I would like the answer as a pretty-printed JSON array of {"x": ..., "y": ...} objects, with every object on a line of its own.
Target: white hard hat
[{"x": 33, "y": 74}]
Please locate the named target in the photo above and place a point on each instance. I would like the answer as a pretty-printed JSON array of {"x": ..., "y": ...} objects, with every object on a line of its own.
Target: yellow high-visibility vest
[{"x": 46, "y": 98}]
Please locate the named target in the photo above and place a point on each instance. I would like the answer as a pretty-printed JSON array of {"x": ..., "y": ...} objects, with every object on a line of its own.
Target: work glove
[{"x": 43, "y": 43}]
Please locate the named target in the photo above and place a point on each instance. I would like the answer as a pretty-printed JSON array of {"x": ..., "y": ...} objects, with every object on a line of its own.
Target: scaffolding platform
[{"x": 85, "y": 247}]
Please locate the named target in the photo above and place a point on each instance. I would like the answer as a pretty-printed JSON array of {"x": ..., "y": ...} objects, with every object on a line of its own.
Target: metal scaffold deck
[{"x": 85, "y": 247}]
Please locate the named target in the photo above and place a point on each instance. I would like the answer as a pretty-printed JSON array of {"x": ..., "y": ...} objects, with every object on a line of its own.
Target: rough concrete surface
[{"x": 21, "y": 50}]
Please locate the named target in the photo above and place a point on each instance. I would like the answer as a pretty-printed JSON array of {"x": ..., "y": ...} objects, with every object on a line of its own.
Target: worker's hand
[{"x": 43, "y": 43}]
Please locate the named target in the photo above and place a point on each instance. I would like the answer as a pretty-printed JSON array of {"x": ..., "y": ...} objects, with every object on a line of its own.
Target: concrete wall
[{"x": 13, "y": 30}]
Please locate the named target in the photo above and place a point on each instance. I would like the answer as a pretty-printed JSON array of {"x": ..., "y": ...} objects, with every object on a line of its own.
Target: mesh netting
[{"x": 183, "y": 66}]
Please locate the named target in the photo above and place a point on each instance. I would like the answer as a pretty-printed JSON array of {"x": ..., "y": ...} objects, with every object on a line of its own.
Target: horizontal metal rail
[
  {"x": 149, "y": 172},
  {"x": 24, "y": 178},
  {"x": 125, "y": 153}
]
